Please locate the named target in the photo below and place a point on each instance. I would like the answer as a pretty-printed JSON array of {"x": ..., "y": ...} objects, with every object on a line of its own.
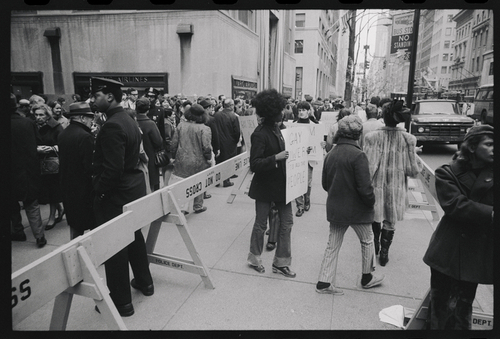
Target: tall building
[
  {"x": 473, "y": 63},
  {"x": 316, "y": 48},
  {"x": 178, "y": 51},
  {"x": 435, "y": 49}
]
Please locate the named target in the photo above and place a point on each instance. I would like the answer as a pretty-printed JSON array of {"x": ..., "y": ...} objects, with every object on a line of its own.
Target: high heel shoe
[
  {"x": 50, "y": 226},
  {"x": 59, "y": 217}
]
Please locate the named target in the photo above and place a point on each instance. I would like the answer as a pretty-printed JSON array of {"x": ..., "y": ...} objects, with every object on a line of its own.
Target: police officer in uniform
[{"x": 117, "y": 181}]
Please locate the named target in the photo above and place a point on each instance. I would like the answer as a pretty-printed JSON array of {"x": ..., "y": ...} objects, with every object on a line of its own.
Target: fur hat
[
  {"x": 350, "y": 127},
  {"x": 479, "y": 130}
]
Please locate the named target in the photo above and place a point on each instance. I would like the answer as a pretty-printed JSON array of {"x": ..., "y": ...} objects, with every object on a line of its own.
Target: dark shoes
[
  {"x": 125, "y": 310},
  {"x": 40, "y": 242},
  {"x": 146, "y": 290},
  {"x": 234, "y": 176},
  {"x": 376, "y": 280},
  {"x": 307, "y": 206},
  {"x": 228, "y": 184},
  {"x": 18, "y": 236},
  {"x": 203, "y": 209},
  {"x": 270, "y": 246},
  {"x": 299, "y": 212},
  {"x": 285, "y": 270},
  {"x": 60, "y": 216},
  {"x": 206, "y": 196},
  {"x": 259, "y": 268},
  {"x": 50, "y": 226}
]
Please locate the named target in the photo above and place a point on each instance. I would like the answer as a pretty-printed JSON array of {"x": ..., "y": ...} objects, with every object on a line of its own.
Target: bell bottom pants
[
  {"x": 329, "y": 264},
  {"x": 117, "y": 267},
  {"x": 283, "y": 254},
  {"x": 451, "y": 301}
]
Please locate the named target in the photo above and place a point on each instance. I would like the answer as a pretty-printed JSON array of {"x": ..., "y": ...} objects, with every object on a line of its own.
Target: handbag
[
  {"x": 49, "y": 165},
  {"x": 161, "y": 158}
]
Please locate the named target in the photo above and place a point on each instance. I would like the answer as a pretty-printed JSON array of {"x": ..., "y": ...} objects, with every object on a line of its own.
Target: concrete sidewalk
[{"x": 246, "y": 300}]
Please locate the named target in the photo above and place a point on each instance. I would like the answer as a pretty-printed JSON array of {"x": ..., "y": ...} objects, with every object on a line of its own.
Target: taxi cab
[{"x": 439, "y": 121}]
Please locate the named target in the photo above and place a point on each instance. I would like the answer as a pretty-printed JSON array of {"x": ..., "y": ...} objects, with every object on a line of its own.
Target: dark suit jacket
[
  {"x": 228, "y": 128},
  {"x": 152, "y": 142},
  {"x": 215, "y": 136},
  {"x": 157, "y": 114},
  {"x": 25, "y": 165},
  {"x": 462, "y": 244},
  {"x": 76, "y": 147},
  {"x": 116, "y": 157},
  {"x": 269, "y": 180}
]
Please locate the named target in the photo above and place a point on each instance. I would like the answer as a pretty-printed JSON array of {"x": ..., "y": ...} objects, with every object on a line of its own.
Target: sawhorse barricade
[
  {"x": 480, "y": 320},
  {"x": 425, "y": 185},
  {"x": 71, "y": 269}
]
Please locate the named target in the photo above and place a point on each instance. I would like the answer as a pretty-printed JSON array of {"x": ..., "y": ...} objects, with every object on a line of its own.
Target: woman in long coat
[
  {"x": 192, "y": 148},
  {"x": 460, "y": 252},
  {"x": 50, "y": 190},
  {"x": 391, "y": 153},
  {"x": 267, "y": 161}
]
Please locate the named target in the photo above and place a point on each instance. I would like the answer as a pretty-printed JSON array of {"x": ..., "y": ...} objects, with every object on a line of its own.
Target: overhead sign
[{"x": 402, "y": 34}]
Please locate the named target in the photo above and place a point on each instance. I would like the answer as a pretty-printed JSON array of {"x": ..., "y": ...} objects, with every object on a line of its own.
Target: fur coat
[{"x": 392, "y": 158}]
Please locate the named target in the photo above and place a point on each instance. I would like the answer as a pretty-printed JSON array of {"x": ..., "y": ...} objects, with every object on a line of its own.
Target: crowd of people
[{"x": 113, "y": 148}]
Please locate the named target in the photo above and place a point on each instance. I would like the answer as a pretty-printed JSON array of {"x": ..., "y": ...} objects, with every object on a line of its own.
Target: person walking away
[
  {"x": 267, "y": 161},
  {"x": 369, "y": 125},
  {"x": 350, "y": 201},
  {"x": 50, "y": 187},
  {"x": 76, "y": 148},
  {"x": 210, "y": 122},
  {"x": 170, "y": 128},
  {"x": 25, "y": 176},
  {"x": 228, "y": 129},
  {"x": 391, "y": 152},
  {"x": 117, "y": 181},
  {"x": 460, "y": 252},
  {"x": 192, "y": 149},
  {"x": 151, "y": 139}
]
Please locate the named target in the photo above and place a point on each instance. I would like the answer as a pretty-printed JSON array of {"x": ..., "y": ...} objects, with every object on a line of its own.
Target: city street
[{"x": 246, "y": 300}]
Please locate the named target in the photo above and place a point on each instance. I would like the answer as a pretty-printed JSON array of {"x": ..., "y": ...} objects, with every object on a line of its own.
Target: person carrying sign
[{"x": 267, "y": 161}]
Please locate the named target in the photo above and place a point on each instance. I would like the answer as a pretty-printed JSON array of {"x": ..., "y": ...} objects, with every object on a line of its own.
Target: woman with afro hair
[{"x": 267, "y": 161}]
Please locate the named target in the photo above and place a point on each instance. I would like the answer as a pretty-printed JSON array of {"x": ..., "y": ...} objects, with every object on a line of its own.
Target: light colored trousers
[{"x": 329, "y": 265}]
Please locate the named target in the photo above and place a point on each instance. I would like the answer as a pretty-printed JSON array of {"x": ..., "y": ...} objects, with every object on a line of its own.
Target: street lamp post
[{"x": 366, "y": 47}]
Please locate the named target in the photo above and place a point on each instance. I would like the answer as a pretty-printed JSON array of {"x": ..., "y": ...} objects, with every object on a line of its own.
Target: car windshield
[{"x": 435, "y": 107}]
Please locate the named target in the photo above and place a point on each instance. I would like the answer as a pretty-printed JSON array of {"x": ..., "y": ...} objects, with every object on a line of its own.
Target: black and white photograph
[{"x": 224, "y": 168}]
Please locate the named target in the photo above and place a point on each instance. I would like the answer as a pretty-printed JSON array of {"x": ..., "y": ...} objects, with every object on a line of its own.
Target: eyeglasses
[{"x": 134, "y": 94}]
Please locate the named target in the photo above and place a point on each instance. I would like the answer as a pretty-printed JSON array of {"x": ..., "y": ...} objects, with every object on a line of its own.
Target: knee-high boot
[
  {"x": 376, "y": 236},
  {"x": 385, "y": 243}
]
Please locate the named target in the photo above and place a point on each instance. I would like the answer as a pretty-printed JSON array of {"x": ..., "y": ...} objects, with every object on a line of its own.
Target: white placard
[
  {"x": 316, "y": 133},
  {"x": 328, "y": 119},
  {"x": 247, "y": 126},
  {"x": 296, "y": 141}
]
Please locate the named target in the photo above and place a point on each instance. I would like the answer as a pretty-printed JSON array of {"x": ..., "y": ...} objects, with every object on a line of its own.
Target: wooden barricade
[{"x": 71, "y": 269}]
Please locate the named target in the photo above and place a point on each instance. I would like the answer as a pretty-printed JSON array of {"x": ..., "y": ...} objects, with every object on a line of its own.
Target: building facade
[
  {"x": 191, "y": 52},
  {"x": 318, "y": 34}
]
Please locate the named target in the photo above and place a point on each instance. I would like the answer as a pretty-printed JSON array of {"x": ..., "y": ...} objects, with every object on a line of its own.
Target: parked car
[
  {"x": 439, "y": 121},
  {"x": 483, "y": 104}
]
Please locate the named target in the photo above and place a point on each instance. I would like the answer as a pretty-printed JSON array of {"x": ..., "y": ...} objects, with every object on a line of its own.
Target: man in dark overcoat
[
  {"x": 228, "y": 128},
  {"x": 117, "y": 181},
  {"x": 76, "y": 147},
  {"x": 25, "y": 176}
]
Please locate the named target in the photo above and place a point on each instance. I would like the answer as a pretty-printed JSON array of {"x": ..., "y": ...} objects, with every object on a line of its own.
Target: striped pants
[{"x": 330, "y": 258}]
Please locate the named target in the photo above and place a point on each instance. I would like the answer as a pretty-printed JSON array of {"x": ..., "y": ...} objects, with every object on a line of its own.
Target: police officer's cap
[{"x": 99, "y": 84}]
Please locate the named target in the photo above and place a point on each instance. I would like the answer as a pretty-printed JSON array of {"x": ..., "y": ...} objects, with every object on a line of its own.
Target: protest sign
[
  {"x": 328, "y": 119},
  {"x": 247, "y": 126},
  {"x": 296, "y": 141},
  {"x": 316, "y": 133}
]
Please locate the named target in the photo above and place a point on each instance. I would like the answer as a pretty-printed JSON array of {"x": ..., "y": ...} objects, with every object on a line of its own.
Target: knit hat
[
  {"x": 350, "y": 127},
  {"x": 142, "y": 105},
  {"x": 479, "y": 130}
]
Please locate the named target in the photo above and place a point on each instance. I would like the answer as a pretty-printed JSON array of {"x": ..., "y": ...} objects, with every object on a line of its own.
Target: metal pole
[
  {"x": 364, "y": 74},
  {"x": 413, "y": 58},
  {"x": 350, "y": 59}
]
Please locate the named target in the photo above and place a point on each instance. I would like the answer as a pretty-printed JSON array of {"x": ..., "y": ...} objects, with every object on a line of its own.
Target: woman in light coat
[{"x": 391, "y": 153}]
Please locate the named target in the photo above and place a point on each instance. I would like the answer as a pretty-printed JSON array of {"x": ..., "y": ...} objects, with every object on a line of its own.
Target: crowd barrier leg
[
  {"x": 79, "y": 265},
  {"x": 242, "y": 180},
  {"x": 195, "y": 265}
]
